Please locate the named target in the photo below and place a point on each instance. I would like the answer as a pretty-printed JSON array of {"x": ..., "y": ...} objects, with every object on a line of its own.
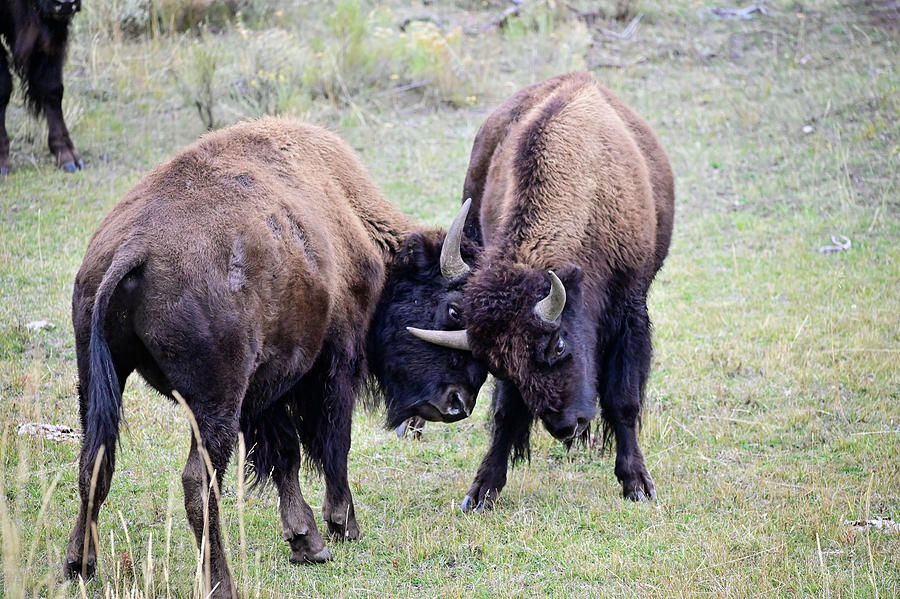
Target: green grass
[{"x": 774, "y": 403}]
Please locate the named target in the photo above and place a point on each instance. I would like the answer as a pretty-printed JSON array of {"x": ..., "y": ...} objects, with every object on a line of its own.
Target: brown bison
[
  {"x": 572, "y": 196},
  {"x": 36, "y": 32},
  {"x": 261, "y": 275}
]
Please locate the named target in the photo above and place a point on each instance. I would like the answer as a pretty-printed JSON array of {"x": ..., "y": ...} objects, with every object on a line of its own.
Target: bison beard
[
  {"x": 565, "y": 179},
  {"x": 36, "y": 32},
  {"x": 247, "y": 275}
]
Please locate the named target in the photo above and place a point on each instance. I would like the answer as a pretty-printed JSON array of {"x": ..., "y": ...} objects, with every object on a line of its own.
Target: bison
[
  {"x": 573, "y": 199},
  {"x": 36, "y": 33},
  {"x": 261, "y": 275}
]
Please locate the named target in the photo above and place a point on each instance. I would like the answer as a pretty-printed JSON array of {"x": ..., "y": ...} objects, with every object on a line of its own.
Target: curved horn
[
  {"x": 452, "y": 264},
  {"x": 549, "y": 308},
  {"x": 451, "y": 339}
]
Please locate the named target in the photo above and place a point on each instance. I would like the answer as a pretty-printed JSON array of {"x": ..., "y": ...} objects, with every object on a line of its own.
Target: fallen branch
[
  {"x": 839, "y": 246},
  {"x": 740, "y": 13},
  {"x": 627, "y": 32},
  {"x": 500, "y": 20},
  {"x": 48, "y": 431},
  {"x": 883, "y": 524}
]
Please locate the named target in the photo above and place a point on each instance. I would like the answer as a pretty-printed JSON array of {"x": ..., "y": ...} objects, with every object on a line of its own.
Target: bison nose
[
  {"x": 564, "y": 433},
  {"x": 67, "y": 5},
  {"x": 566, "y": 426},
  {"x": 455, "y": 404}
]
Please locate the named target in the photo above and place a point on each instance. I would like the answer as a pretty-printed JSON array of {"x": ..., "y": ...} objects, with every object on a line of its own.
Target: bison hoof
[
  {"x": 636, "y": 496},
  {"x": 343, "y": 532},
  {"x": 72, "y": 569},
  {"x": 71, "y": 167},
  {"x": 308, "y": 549},
  {"x": 319, "y": 557},
  {"x": 468, "y": 504},
  {"x": 411, "y": 427}
]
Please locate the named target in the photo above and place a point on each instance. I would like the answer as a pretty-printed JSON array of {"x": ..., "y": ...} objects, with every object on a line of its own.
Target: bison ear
[{"x": 417, "y": 253}]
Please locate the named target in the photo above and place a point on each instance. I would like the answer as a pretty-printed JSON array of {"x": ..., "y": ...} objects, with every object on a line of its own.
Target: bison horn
[
  {"x": 452, "y": 264},
  {"x": 451, "y": 339},
  {"x": 549, "y": 308}
]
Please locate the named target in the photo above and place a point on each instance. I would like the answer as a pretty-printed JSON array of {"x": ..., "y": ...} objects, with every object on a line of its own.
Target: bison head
[
  {"x": 530, "y": 328},
  {"x": 58, "y": 9},
  {"x": 421, "y": 379}
]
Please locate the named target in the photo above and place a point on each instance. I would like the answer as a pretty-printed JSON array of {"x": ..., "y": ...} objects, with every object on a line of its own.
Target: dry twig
[
  {"x": 838, "y": 245},
  {"x": 741, "y": 13},
  {"x": 500, "y": 20},
  {"x": 627, "y": 33}
]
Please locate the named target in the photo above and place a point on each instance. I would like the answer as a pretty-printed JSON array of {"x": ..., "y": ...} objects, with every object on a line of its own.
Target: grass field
[{"x": 773, "y": 410}]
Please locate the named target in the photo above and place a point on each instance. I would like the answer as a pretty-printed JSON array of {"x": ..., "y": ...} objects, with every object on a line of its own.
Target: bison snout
[
  {"x": 568, "y": 426},
  {"x": 66, "y": 8},
  {"x": 454, "y": 404}
]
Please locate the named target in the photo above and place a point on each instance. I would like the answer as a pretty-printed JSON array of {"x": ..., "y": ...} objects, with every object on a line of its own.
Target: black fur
[
  {"x": 409, "y": 371},
  {"x": 36, "y": 33}
]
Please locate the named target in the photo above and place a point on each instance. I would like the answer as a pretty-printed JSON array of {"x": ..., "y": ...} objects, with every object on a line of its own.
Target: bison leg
[
  {"x": 621, "y": 395},
  {"x": 272, "y": 437},
  {"x": 201, "y": 500},
  {"x": 45, "y": 89},
  {"x": 298, "y": 524},
  {"x": 324, "y": 401},
  {"x": 412, "y": 426},
  {"x": 94, "y": 480},
  {"x": 5, "y": 93},
  {"x": 512, "y": 426},
  {"x": 94, "y": 476}
]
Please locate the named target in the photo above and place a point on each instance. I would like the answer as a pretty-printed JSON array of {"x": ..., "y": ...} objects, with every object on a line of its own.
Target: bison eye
[
  {"x": 453, "y": 312},
  {"x": 560, "y": 347}
]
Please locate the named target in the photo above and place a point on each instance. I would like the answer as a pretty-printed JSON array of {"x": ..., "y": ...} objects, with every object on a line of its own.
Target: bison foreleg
[
  {"x": 621, "y": 395},
  {"x": 298, "y": 524},
  {"x": 5, "y": 93},
  {"x": 511, "y": 428}
]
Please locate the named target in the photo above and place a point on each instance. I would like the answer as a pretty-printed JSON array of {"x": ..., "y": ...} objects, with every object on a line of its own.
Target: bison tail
[{"x": 104, "y": 394}]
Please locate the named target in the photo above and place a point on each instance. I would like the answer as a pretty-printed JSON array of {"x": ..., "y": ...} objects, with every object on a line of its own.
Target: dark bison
[
  {"x": 262, "y": 276},
  {"x": 573, "y": 199},
  {"x": 36, "y": 32}
]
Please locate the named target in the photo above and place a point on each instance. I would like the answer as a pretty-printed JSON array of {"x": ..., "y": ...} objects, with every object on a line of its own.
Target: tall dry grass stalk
[{"x": 118, "y": 576}]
